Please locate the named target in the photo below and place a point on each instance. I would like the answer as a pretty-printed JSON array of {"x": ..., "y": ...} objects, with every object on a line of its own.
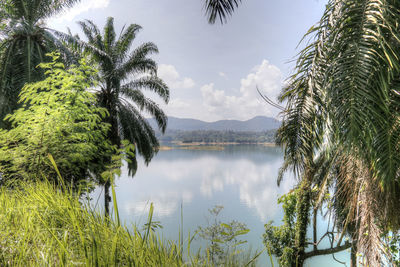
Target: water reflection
[
  {"x": 177, "y": 176},
  {"x": 256, "y": 182}
]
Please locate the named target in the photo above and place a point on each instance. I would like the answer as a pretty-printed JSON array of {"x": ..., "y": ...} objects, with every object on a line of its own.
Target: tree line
[{"x": 211, "y": 136}]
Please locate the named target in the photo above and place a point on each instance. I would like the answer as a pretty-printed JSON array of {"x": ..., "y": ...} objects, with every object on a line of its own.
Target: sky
[{"x": 212, "y": 70}]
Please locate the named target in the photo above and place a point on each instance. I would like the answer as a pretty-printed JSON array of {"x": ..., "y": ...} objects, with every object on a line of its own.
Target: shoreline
[{"x": 180, "y": 143}]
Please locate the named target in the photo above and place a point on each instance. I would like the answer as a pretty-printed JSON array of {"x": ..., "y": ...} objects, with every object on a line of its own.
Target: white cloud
[
  {"x": 223, "y": 75},
  {"x": 212, "y": 97},
  {"x": 81, "y": 7},
  {"x": 247, "y": 104},
  {"x": 210, "y": 102},
  {"x": 171, "y": 76},
  {"x": 177, "y": 103}
]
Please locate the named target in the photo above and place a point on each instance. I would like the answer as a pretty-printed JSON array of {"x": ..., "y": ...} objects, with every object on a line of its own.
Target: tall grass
[{"x": 42, "y": 225}]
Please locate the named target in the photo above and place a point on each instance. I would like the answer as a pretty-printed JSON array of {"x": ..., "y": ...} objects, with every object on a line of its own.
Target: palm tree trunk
[
  {"x": 113, "y": 136},
  {"x": 107, "y": 197},
  {"x": 353, "y": 255},
  {"x": 29, "y": 51},
  {"x": 302, "y": 211},
  {"x": 315, "y": 215}
]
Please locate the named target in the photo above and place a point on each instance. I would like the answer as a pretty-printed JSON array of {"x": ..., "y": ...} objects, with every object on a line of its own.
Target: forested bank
[{"x": 218, "y": 137}]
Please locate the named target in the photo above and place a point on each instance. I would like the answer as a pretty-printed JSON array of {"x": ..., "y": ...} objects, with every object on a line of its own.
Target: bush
[{"x": 58, "y": 116}]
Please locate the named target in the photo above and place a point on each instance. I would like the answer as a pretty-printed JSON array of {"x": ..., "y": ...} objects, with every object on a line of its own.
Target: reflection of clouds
[
  {"x": 210, "y": 185},
  {"x": 178, "y": 170},
  {"x": 256, "y": 183},
  {"x": 212, "y": 177},
  {"x": 167, "y": 182},
  {"x": 164, "y": 204}
]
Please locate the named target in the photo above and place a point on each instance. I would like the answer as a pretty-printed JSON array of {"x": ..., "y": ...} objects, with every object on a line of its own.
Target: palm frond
[
  {"x": 136, "y": 129},
  {"x": 35, "y": 10},
  {"x": 220, "y": 9},
  {"x": 125, "y": 40},
  {"x": 92, "y": 33},
  {"x": 138, "y": 61},
  {"x": 81, "y": 45},
  {"x": 145, "y": 103},
  {"x": 302, "y": 131},
  {"x": 152, "y": 83},
  {"x": 109, "y": 35}
]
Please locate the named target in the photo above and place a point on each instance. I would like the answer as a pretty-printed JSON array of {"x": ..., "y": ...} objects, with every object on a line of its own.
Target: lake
[{"x": 242, "y": 178}]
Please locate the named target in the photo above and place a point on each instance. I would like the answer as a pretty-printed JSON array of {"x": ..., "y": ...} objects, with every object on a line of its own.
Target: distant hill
[{"x": 256, "y": 124}]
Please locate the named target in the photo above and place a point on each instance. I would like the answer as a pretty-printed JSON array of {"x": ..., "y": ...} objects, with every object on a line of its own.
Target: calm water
[{"x": 240, "y": 178}]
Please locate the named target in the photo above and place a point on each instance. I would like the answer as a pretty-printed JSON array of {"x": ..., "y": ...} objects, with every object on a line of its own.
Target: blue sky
[{"x": 212, "y": 70}]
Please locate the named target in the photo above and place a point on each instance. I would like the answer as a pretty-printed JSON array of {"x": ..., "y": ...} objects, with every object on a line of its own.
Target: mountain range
[{"x": 256, "y": 124}]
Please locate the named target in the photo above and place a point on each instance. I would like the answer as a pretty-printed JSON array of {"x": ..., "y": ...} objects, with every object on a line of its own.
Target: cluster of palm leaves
[{"x": 341, "y": 122}]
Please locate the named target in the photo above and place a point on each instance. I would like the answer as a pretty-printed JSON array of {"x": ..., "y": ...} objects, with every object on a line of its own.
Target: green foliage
[
  {"x": 3, "y": 14},
  {"x": 125, "y": 153},
  {"x": 279, "y": 240},
  {"x": 223, "y": 238},
  {"x": 58, "y": 116}
]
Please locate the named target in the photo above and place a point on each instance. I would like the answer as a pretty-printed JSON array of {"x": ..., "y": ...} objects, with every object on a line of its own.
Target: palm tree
[
  {"x": 24, "y": 41},
  {"x": 124, "y": 74},
  {"x": 344, "y": 97},
  {"x": 300, "y": 135}
]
